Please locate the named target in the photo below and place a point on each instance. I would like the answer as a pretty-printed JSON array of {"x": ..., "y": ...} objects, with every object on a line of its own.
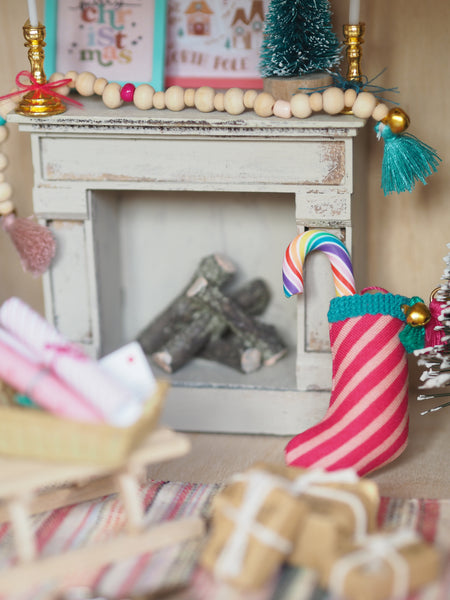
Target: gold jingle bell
[
  {"x": 417, "y": 315},
  {"x": 397, "y": 120}
]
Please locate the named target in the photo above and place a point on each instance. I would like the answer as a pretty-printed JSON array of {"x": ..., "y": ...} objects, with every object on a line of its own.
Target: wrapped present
[
  {"x": 254, "y": 520},
  {"x": 386, "y": 565},
  {"x": 341, "y": 508},
  {"x": 262, "y": 517}
]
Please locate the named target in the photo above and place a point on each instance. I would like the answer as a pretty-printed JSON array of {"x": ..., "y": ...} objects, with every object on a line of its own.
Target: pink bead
[{"x": 127, "y": 92}]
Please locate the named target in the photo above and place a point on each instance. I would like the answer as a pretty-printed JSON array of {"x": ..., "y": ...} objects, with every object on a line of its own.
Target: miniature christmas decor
[
  {"x": 435, "y": 357},
  {"x": 386, "y": 565},
  {"x": 43, "y": 349},
  {"x": 34, "y": 243},
  {"x": 260, "y": 520},
  {"x": 298, "y": 39},
  {"x": 406, "y": 159},
  {"x": 329, "y": 244},
  {"x": 254, "y": 520},
  {"x": 366, "y": 425},
  {"x": 207, "y": 322}
]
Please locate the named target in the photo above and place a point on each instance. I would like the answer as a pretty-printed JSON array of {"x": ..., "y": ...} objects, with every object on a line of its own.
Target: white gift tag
[{"x": 129, "y": 365}]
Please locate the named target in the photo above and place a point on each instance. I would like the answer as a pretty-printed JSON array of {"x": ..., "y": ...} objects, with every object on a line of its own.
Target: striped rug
[{"x": 174, "y": 568}]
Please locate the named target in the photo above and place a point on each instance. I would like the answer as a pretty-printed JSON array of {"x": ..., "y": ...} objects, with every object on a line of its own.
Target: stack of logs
[{"x": 205, "y": 321}]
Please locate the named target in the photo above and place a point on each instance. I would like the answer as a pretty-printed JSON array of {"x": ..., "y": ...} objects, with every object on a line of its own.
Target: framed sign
[
  {"x": 214, "y": 42},
  {"x": 121, "y": 40}
]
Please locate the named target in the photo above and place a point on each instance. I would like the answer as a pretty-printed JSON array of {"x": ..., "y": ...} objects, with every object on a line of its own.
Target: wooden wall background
[{"x": 407, "y": 233}]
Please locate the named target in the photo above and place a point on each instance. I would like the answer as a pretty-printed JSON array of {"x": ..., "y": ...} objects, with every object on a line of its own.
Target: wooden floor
[{"x": 422, "y": 471}]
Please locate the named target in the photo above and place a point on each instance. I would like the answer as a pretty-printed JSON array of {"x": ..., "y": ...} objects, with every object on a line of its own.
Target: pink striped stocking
[{"x": 366, "y": 424}]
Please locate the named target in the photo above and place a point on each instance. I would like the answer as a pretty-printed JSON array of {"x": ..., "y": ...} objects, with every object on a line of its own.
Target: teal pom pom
[
  {"x": 2, "y": 121},
  {"x": 406, "y": 160}
]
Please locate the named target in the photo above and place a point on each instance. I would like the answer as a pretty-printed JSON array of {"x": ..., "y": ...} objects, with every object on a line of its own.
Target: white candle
[
  {"x": 353, "y": 16},
  {"x": 32, "y": 11}
]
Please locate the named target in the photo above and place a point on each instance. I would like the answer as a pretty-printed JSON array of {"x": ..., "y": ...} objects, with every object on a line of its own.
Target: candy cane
[{"x": 329, "y": 244}]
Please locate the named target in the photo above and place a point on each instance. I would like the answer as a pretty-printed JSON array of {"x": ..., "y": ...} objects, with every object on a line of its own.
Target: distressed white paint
[{"x": 138, "y": 197}]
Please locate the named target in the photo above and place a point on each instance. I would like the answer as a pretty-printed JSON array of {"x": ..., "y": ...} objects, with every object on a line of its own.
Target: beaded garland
[{"x": 234, "y": 101}]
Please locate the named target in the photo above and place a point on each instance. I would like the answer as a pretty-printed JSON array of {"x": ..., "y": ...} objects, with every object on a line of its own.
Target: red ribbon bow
[{"x": 48, "y": 88}]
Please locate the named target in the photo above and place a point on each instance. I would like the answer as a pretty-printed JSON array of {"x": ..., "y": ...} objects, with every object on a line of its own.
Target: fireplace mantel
[{"x": 123, "y": 192}]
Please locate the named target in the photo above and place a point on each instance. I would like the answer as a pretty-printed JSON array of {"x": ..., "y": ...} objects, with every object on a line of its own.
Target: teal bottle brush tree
[{"x": 299, "y": 39}]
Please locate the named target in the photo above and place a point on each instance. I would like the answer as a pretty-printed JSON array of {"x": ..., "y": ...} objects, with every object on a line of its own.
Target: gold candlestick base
[
  {"x": 353, "y": 39},
  {"x": 38, "y": 103}
]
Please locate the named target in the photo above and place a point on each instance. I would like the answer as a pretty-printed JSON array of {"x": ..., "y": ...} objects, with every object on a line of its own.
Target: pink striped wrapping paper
[
  {"x": 21, "y": 372},
  {"x": 108, "y": 397}
]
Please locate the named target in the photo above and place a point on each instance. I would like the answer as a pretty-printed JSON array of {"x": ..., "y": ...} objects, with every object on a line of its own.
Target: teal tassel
[{"x": 406, "y": 160}]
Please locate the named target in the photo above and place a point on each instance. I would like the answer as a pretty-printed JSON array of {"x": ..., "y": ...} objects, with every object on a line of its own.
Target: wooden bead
[
  {"x": 189, "y": 97},
  {"x": 85, "y": 83},
  {"x": 6, "y": 207},
  {"x": 219, "y": 101},
  {"x": 333, "y": 100},
  {"x": 143, "y": 96},
  {"x": 249, "y": 98},
  {"x": 364, "y": 105},
  {"x": 99, "y": 85},
  {"x": 174, "y": 98},
  {"x": 72, "y": 75},
  {"x": 64, "y": 89},
  {"x": 316, "y": 102},
  {"x": 282, "y": 109},
  {"x": 300, "y": 105},
  {"x": 204, "y": 99},
  {"x": 5, "y": 191},
  {"x": 159, "y": 100},
  {"x": 3, "y": 133},
  {"x": 111, "y": 95},
  {"x": 264, "y": 103},
  {"x": 380, "y": 111},
  {"x": 3, "y": 161},
  {"x": 234, "y": 101},
  {"x": 349, "y": 97}
]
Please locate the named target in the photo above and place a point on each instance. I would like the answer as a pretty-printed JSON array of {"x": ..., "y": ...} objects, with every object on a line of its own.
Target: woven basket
[{"x": 28, "y": 433}]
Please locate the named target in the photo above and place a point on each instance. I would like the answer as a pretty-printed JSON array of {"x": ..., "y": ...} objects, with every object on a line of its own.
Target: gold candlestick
[
  {"x": 38, "y": 103},
  {"x": 353, "y": 38}
]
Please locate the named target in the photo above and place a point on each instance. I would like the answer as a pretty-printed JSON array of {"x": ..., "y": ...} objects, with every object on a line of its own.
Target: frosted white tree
[{"x": 436, "y": 359}]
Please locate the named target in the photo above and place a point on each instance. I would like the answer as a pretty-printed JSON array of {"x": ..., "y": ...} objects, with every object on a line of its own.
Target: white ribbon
[
  {"x": 381, "y": 547},
  {"x": 304, "y": 484},
  {"x": 259, "y": 484}
]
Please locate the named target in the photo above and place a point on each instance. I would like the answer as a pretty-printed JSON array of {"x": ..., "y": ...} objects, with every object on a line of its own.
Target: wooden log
[
  {"x": 232, "y": 352},
  {"x": 253, "y": 297},
  {"x": 185, "y": 343},
  {"x": 217, "y": 270},
  {"x": 252, "y": 333},
  {"x": 203, "y": 325}
]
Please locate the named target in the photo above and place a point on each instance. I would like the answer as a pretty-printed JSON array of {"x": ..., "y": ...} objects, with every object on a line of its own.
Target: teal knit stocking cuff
[{"x": 346, "y": 307}]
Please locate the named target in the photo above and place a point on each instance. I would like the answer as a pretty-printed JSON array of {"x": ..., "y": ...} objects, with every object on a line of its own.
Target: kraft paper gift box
[
  {"x": 340, "y": 508},
  {"x": 386, "y": 565},
  {"x": 253, "y": 523},
  {"x": 262, "y": 518}
]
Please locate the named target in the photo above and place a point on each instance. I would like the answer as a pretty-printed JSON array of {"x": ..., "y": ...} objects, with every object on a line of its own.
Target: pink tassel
[
  {"x": 34, "y": 243},
  {"x": 433, "y": 337}
]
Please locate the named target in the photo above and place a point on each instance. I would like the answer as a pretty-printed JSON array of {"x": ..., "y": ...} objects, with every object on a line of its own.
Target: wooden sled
[{"x": 29, "y": 486}]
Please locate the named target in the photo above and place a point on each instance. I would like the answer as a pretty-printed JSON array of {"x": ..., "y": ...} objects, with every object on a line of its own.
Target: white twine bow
[
  {"x": 382, "y": 547},
  {"x": 259, "y": 485},
  {"x": 304, "y": 484}
]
